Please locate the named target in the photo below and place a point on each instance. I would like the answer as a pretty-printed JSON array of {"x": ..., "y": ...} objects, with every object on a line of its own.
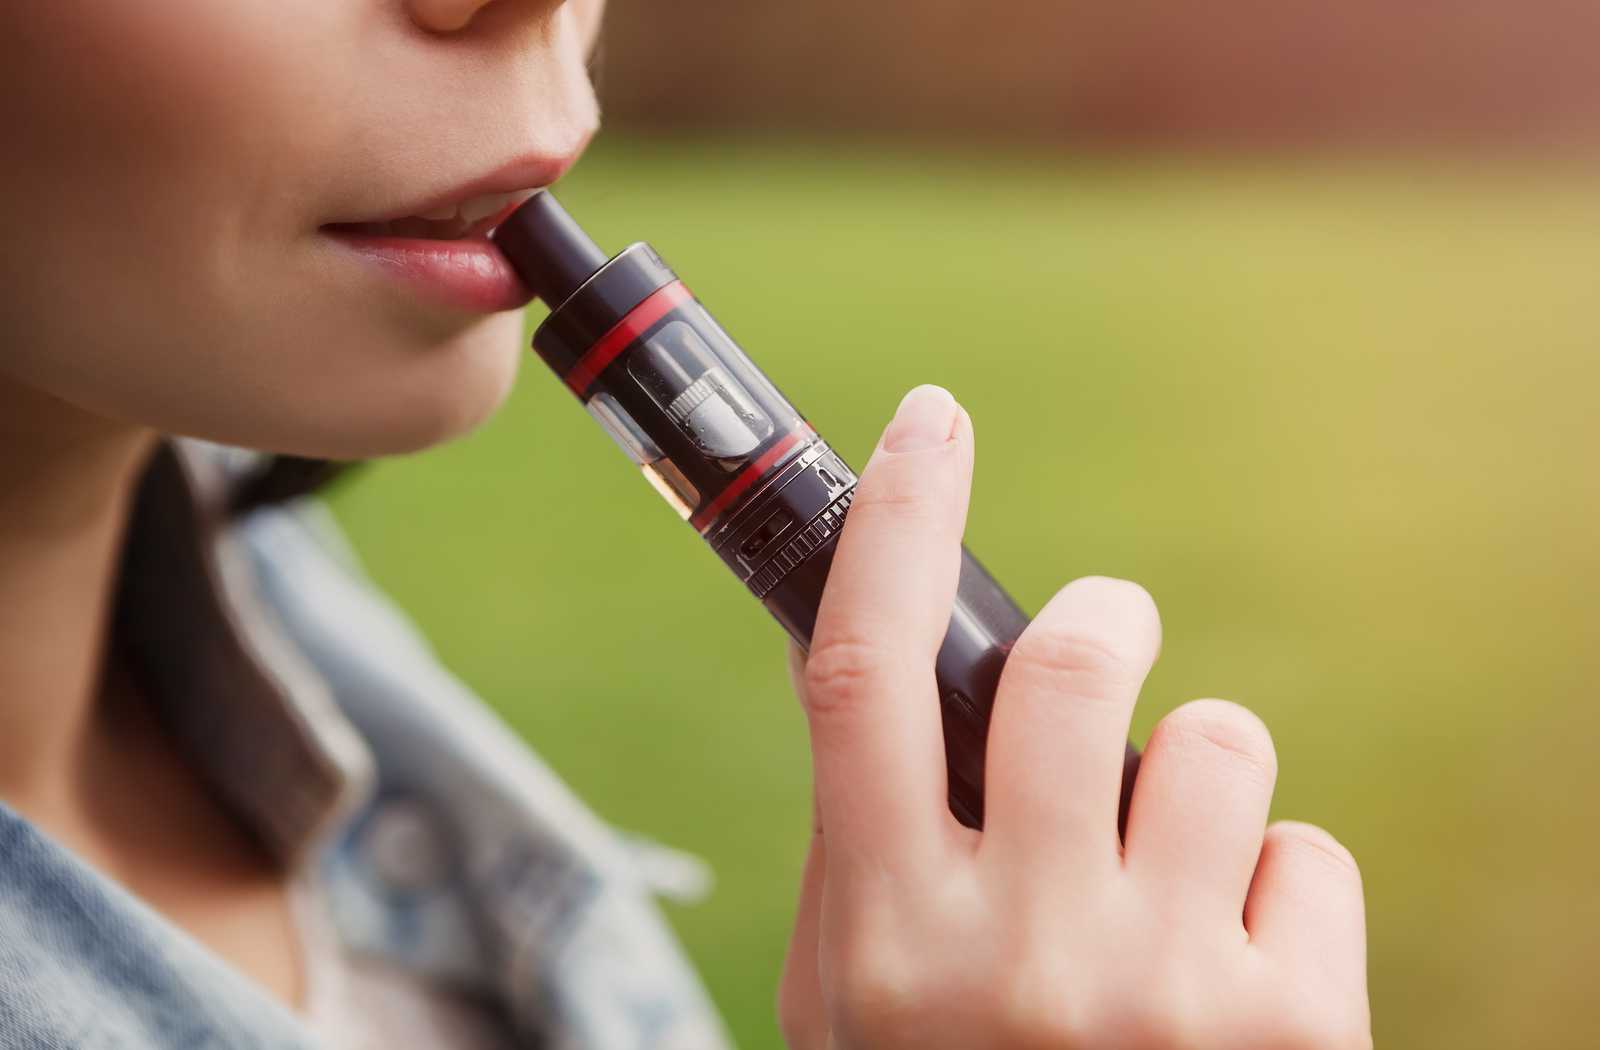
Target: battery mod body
[{"x": 733, "y": 457}]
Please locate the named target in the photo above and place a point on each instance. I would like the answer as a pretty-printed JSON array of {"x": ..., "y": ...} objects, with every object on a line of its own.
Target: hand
[{"x": 1207, "y": 930}]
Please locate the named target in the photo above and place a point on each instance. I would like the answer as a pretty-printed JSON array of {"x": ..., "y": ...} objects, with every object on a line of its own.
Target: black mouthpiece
[{"x": 548, "y": 249}]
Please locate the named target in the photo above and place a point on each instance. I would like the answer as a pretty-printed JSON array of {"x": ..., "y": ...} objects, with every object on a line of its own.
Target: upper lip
[{"x": 530, "y": 173}]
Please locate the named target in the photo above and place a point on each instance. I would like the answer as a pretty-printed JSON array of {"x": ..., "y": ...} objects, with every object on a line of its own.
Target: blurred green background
[{"x": 1339, "y": 417}]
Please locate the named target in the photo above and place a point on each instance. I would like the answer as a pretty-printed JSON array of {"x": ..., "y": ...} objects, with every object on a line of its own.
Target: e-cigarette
[{"x": 733, "y": 457}]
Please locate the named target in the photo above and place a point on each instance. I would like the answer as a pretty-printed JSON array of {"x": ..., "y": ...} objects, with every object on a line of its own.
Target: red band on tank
[
  {"x": 637, "y": 322},
  {"x": 736, "y": 488}
]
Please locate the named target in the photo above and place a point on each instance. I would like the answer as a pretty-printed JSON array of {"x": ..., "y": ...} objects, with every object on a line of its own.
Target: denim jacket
[{"x": 318, "y": 715}]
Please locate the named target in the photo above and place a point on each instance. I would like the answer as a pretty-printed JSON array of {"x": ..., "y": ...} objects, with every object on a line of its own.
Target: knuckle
[
  {"x": 1315, "y": 845},
  {"x": 841, "y": 674},
  {"x": 1172, "y": 1010},
  {"x": 877, "y": 990},
  {"x": 1048, "y": 1006},
  {"x": 1048, "y": 1029},
  {"x": 889, "y": 496},
  {"x": 1031, "y": 995},
  {"x": 1164, "y": 1025},
  {"x": 906, "y": 486},
  {"x": 1220, "y": 731},
  {"x": 1073, "y": 662},
  {"x": 891, "y": 504},
  {"x": 1041, "y": 1016}
]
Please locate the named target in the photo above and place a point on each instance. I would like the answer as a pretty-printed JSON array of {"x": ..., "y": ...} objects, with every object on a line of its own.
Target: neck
[{"x": 66, "y": 479}]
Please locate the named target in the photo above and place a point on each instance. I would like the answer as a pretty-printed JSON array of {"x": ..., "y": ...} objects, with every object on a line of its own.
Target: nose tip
[
  {"x": 443, "y": 16},
  {"x": 452, "y": 16}
]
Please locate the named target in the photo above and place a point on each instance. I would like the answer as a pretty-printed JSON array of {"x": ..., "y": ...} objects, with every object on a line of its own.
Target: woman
[{"x": 240, "y": 806}]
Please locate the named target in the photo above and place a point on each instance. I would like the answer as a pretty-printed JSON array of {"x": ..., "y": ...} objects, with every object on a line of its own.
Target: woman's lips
[
  {"x": 471, "y": 217},
  {"x": 439, "y": 248},
  {"x": 466, "y": 272}
]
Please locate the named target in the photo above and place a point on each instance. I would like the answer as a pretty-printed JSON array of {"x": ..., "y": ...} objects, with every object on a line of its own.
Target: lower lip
[{"x": 468, "y": 275}]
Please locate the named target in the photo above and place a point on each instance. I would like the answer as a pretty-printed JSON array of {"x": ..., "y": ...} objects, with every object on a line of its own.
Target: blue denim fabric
[
  {"x": 567, "y": 934},
  {"x": 84, "y": 966},
  {"x": 318, "y": 713}
]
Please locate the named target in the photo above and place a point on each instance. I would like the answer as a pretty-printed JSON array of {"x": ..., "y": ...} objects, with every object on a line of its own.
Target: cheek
[
  {"x": 157, "y": 138},
  {"x": 183, "y": 165},
  {"x": 357, "y": 391},
  {"x": 174, "y": 156},
  {"x": 128, "y": 110}
]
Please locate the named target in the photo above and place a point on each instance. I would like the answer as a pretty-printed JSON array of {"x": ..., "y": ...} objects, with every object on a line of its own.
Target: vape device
[{"x": 735, "y": 459}]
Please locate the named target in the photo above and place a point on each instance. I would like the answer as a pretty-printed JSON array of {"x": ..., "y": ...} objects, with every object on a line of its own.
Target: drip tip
[{"x": 548, "y": 249}]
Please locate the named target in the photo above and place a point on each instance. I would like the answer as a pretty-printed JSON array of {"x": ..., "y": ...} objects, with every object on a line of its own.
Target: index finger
[{"x": 876, "y": 738}]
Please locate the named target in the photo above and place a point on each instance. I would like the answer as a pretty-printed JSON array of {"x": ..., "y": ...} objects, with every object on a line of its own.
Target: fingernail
[{"x": 924, "y": 420}]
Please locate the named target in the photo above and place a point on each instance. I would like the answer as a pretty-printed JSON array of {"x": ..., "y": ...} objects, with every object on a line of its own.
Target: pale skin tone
[
  {"x": 1207, "y": 929},
  {"x": 188, "y": 158}
]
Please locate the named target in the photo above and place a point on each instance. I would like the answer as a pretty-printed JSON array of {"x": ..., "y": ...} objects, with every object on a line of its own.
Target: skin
[
  {"x": 1209, "y": 929},
  {"x": 161, "y": 271}
]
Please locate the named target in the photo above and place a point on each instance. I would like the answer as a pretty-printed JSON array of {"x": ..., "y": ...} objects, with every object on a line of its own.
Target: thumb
[{"x": 801, "y": 1014}]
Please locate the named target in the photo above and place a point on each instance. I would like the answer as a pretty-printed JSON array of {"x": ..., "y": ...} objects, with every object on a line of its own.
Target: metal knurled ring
[{"x": 804, "y": 544}]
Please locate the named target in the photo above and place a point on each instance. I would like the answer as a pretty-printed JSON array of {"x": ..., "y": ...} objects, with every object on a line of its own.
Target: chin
[
  {"x": 475, "y": 374},
  {"x": 440, "y": 392}
]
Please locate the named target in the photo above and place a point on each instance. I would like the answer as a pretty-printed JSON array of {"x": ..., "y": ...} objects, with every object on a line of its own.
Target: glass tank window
[
  {"x": 682, "y": 375},
  {"x": 628, "y": 435},
  {"x": 660, "y": 471}
]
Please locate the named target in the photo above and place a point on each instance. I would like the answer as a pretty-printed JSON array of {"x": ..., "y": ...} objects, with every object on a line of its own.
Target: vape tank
[{"x": 735, "y": 459}]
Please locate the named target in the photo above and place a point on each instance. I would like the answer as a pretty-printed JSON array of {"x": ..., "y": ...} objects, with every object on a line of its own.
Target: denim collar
[{"x": 251, "y": 713}]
